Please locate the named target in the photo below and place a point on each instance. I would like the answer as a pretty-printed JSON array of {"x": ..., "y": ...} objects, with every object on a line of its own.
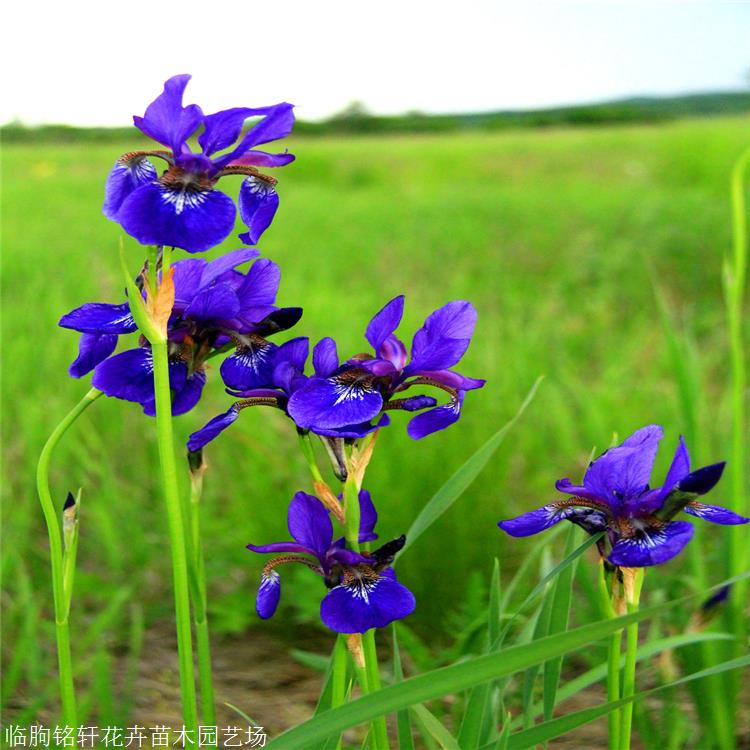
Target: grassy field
[{"x": 555, "y": 236}]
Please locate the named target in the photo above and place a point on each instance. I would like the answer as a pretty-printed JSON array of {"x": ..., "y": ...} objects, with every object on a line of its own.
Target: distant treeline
[{"x": 356, "y": 119}]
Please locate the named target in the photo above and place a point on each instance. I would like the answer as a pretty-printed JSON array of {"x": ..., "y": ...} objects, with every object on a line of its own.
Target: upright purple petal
[
  {"x": 310, "y": 524},
  {"x": 260, "y": 287},
  {"x": 289, "y": 362},
  {"x": 652, "y": 546},
  {"x": 368, "y": 517},
  {"x": 714, "y": 513},
  {"x": 100, "y": 317},
  {"x": 222, "y": 129},
  {"x": 215, "y": 302},
  {"x": 269, "y": 593},
  {"x": 444, "y": 337},
  {"x": 624, "y": 471},
  {"x": 187, "y": 281},
  {"x": 93, "y": 348},
  {"x": 325, "y": 357},
  {"x": 385, "y": 322},
  {"x": 435, "y": 419},
  {"x": 194, "y": 220},
  {"x": 166, "y": 120},
  {"x": 330, "y": 403},
  {"x": 226, "y": 262},
  {"x": 259, "y": 202},
  {"x": 362, "y": 604},
  {"x": 124, "y": 178},
  {"x": 679, "y": 468}
]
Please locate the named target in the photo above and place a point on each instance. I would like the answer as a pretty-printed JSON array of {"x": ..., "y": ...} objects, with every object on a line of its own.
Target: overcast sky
[{"x": 98, "y": 63}]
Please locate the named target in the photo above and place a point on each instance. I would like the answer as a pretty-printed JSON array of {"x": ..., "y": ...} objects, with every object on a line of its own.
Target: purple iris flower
[
  {"x": 615, "y": 497},
  {"x": 181, "y": 207},
  {"x": 215, "y": 308},
  {"x": 283, "y": 369},
  {"x": 364, "y": 591},
  {"x": 358, "y": 390}
]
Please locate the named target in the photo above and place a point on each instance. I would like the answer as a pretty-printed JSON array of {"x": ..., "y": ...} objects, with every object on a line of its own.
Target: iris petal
[
  {"x": 100, "y": 317},
  {"x": 714, "y": 513},
  {"x": 192, "y": 220},
  {"x": 651, "y": 546},
  {"x": 249, "y": 367},
  {"x": 310, "y": 524},
  {"x": 259, "y": 202},
  {"x": 269, "y": 593},
  {"x": 93, "y": 348},
  {"x": 363, "y": 605},
  {"x": 212, "y": 429},
  {"x": 124, "y": 178}
]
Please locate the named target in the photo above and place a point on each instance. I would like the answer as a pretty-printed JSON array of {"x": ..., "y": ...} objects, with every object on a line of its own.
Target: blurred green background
[{"x": 557, "y": 236}]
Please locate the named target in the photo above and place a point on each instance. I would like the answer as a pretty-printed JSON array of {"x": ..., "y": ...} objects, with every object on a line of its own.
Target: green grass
[{"x": 546, "y": 232}]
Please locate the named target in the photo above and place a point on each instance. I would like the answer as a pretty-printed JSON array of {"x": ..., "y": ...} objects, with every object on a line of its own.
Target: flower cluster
[
  {"x": 182, "y": 207},
  {"x": 616, "y": 497},
  {"x": 364, "y": 592}
]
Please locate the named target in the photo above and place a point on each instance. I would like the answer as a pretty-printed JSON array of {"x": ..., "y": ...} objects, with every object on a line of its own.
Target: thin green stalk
[
  {"x": 613, "y": 661},
  {"x": 54, "y": 532},
  {"x": 200, "y": 603},
  {"x": 633, "y": 581},
  {"x": 309, "y": 453},
  {"x": 175, "y": 521},
  {"x": 735, "y": 271}
]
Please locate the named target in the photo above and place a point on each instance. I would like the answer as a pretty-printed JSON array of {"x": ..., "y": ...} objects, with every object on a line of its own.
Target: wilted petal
[
  {"x": 702, "y": 480},
  {"x": 93, "y": 348},
  {"x": 100, "y": 317},
  {"x": 194, "y": 220},
  {"x": 651, "y": 546},
  {"x": 258, "y": 204},
  {"x": 714, "y": 513},
  {"x": 124, "y": 178},
  {"x": 444, "y": 337},
  {"x": 365, "y": 604},
  {"x": 257, "y": 158},
  {"x": 269, "y": 593}
]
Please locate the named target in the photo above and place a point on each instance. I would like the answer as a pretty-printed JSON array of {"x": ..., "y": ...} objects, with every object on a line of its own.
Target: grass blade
[
  {"x": 434, "y": 727},
  {"x": 403, "y": 723},
  {"x": 463, "y": 477}
]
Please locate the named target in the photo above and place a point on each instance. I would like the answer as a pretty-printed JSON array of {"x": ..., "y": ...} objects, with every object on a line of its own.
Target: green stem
[
  {"x": 613, "y": 661},
  {"x": 632, "y": 598},
  {"x": 200, "y": 605},
  {"x": 62, "y": 603},
  {"x": 175, "y": 521},
  {"x": 309, "y": 453}
]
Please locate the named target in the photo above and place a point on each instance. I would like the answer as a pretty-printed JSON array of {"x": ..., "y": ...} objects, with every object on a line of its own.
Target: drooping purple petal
[
  {"x": 368, "y": 517},
  {"x": 444, "y": 337},
  {"x": 250, "y": 366},
  {"x": 590, "y": 519},
  {"x": 652, "y": 546},
  {"x": 166, "y": 120},
  {"x": 188, "y": 396},
  {"x": 212, "y": 429},
  {"x": 269, "y": 593},
  {"x": 435, "y": 419},
  {"x": 258, "y": 202},
  {"x": 275, "y": 547},
  {"x": 194, "y": 220},
  {"x": 363, "y": 604},
  {"x": 93, "y": 348},
  {"x": 385, "y": 322},
  {"x": 623, "y": 472},
  {"x": 714, "y": 513},
  {"x": 453, "y": 379},
  {"x": 330, "y": 403},
  {"x": 100, "y": 317},
  {"x": 128, "y": 375},
  {"x": 310, "y": 524},
  {"x": 325, "y": 357},
  {"x": 354, "y": 431},
  {"x": 124, "y": 178}
]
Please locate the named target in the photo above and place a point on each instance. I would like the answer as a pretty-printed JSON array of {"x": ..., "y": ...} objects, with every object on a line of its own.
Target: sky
[{"x": 98, "y": 63}]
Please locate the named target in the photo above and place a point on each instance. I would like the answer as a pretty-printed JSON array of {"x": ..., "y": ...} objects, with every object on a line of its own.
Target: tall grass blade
[
  {"x": 434, "y": 727},
  {"x": 403, "y": 722},
  {"x": 463, "y": 477}
]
